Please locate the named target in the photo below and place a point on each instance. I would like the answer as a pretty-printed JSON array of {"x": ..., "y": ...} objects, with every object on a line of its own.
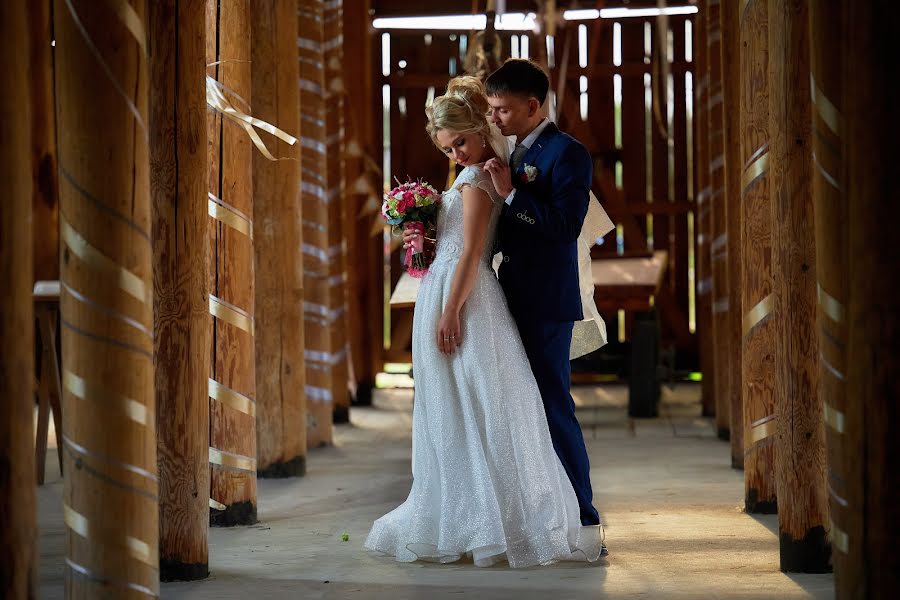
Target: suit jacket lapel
[{"x": 538, "y": 146}]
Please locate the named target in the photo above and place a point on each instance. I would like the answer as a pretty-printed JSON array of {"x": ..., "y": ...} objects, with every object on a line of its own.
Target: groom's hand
[{"x": 501, "y": 176}]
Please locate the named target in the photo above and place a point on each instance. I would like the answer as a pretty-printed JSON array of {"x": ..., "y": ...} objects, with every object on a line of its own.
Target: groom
[{"x": 546, "y": 187}]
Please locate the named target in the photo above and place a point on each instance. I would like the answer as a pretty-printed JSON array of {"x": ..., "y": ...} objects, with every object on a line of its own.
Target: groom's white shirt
[{"x": 530, "y": 139}]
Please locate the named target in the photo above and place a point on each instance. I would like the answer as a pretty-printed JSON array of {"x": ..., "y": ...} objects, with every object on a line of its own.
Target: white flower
[{"x": 531, "y": 172}]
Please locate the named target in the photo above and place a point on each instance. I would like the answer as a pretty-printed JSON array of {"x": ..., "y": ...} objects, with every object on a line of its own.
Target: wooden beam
[
  {"x": 182, "y": 327},
  {"x": 232, "y": 439},
  {"x": 110, "y": 488},
  {"x": 18, "y": 501},
  {"x": 278, "y": 239},
  {"x": 731, "y": 55},
  {"x": 321, "y": 103},
  {"x": 720, "y": 302},
  {"x": 867, "y": 561},
  {"x": 364, "y": 252},
  {"x": 843, "y": 477},
  {"x": 757, "y": 290},
  {"x": 703, "y": 227},
  {"x": 334, "y": 90},
  {"x": 45, "y": 204},
  {"x": 800, "y": 443}
]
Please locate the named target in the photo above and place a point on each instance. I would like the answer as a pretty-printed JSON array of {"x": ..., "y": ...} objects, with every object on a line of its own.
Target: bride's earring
[{"x": 483, "y": 142}]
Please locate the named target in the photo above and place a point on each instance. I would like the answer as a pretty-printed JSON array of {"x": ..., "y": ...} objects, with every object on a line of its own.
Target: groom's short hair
[{"x": 518, "y": 76}]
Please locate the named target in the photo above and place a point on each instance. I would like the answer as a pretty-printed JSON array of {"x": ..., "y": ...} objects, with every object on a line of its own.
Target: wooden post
[
  {"x": 718, "y": 243},
  {"x": 18, "y": 503},
  {"x": 45, "y": 206},
  {"x": 827, "y": 48},
  {"x": 277, "y": 234},
  {"x": 335, "y": 189},
  {"x": 321, "y": 106},
  {"x": 757, "y": 288},
  {"x": 232, "y": 385},
  {"x": 365, "y": 253},
  {"x": 800, "y": 439},
  {"x": 868, "y": 523},
  {"x": 109, "y": 417},
  {"x": 731, "y": 77},
  {"x": 183, "y": 334},
  {"x": 704, "y": 224}
]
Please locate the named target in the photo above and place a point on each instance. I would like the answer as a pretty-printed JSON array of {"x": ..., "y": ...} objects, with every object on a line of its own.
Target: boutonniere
[{"x": 529, "y": 173}]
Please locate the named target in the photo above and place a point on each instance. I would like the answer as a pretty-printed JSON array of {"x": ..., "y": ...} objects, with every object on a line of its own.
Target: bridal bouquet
[{"x": 413, "y": 204}]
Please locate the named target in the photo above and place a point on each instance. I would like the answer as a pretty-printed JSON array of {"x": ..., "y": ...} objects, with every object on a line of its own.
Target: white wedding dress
[{"x": 486, "y": 480}]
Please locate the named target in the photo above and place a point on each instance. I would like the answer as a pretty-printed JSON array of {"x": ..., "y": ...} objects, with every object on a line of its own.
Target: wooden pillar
[
  {"x": 335, "y": 190},
  {"x": 45, "y": 205},
  {"x": 18, "y": 536},
  {"x": 232, "y": 385},
  {"x": 277, "y": 235},
  {"x": 731, "y": 77},
  {"x": 365, "y": 253},
  {"x": 800, "y": 439},
  {"x": 718, "y": 219},
  {"x": 757, "y": 279},
  {"x": 856, "y": 206},
  {"x": 321, "y": 107},
  {"x": 827, "y": 48},
  {"x": 179, "y": 181},
  {"x": 109, "y": 416},
  {"x": 704, "y": 223}
]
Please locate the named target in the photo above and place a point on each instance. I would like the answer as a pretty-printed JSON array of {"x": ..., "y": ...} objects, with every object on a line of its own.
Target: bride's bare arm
[{"x": 476, "y": 217}]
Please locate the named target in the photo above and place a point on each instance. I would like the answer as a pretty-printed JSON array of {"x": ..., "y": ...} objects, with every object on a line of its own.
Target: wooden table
[
  {"x": 619, "y": 283},
  {"x": 630, "y": 284},
  {"x": 405, "y": 293}
]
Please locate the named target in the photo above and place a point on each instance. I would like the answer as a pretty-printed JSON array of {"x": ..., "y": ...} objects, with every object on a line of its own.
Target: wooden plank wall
[{"x": 663, "y": 190}]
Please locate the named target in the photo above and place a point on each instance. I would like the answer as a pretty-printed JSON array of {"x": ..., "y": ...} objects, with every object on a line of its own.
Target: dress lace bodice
[{"x": 450, "y": 234}]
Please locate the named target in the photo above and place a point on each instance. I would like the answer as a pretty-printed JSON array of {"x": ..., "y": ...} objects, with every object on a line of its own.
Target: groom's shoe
[{"x": 604, "y": 551}]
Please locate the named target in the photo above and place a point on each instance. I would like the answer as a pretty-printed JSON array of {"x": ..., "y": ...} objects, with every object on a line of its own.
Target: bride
[{"x": 486, "y": 479}]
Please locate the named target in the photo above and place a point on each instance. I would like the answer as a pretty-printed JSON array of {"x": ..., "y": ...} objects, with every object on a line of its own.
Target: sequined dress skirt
[{"x": 486, "y": 480}]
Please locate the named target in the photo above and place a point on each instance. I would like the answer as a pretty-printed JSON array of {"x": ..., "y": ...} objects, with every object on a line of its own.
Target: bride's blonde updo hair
[{"x": 462, "y": 109}]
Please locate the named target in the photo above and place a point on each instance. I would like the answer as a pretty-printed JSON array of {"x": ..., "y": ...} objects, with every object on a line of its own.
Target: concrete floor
[{"x": 670, "y": 502}]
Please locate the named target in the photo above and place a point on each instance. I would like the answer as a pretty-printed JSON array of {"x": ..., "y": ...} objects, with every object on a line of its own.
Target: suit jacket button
[{"x": 505, "y": 259}]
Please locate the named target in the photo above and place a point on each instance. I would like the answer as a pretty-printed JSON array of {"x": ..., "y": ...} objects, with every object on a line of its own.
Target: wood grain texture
[
  {"x": 321, "y": 105},
  {"x": 731, "y": 77},
  {"x": 278, "y": 237},
  {"x": 873, "y": 319},
  {"x": 703, "y": 228},
  {"x": 800, "y": 444},
  {"x": 335, "y": 131},
  {"x": 844, "y": 478},
  {"x": 110, "y": 468},
  {"x": 365, "y": 252},
  {"x": 45, "y": 189},
  {"x": 718, "y": 206},
  {"x": 757, "y": 281},
  {"x": 231, "y": 263},
  {"x": 18, "y": 536},
  {"x": 182, "y": 327}
]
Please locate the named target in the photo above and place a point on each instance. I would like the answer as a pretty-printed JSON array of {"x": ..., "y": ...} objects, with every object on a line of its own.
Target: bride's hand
[
  {"x": 449, "y": 335},
  {"x": 409, "y": 234},
  {"x": 500, "y": 175}
]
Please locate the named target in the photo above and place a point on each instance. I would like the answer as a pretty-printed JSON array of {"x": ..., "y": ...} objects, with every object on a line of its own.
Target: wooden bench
[{"x": 48, "y": 388}]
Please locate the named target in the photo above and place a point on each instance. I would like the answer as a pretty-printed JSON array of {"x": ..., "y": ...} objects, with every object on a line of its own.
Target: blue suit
[{"x": 537, "y": 235}]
